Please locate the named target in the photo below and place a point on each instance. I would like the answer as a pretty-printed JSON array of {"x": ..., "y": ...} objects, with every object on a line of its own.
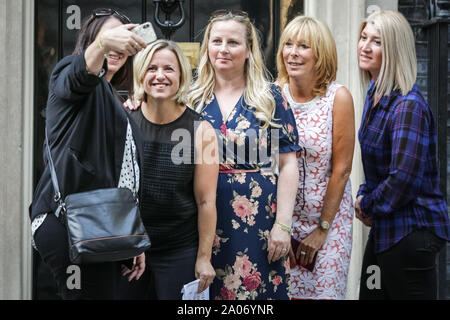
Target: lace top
[
  {"x": 328, "y": 280},
  {"x": 126, "y": 179}
]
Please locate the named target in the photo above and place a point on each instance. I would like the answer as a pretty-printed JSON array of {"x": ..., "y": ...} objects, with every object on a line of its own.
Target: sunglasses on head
[
  {"x": 224, "y": 12},
  {"x": 103, "y": 12}
]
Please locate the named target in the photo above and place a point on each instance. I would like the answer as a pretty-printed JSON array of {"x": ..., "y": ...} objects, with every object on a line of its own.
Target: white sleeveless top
[{"x": 328, "y": 280}]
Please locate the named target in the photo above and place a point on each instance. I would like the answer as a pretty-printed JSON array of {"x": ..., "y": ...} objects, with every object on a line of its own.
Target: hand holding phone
[{"x": 146, "y": 32}]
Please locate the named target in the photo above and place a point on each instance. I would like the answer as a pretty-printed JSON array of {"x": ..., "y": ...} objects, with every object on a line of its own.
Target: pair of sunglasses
[
  {"x": 103, "y": 12},
  {"x": 224, "y": 12}
]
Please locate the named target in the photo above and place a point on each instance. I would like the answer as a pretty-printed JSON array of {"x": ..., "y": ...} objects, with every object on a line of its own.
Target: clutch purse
[
  {"x": 103, "y": 225},
  {"x": 295, "y": 244}
]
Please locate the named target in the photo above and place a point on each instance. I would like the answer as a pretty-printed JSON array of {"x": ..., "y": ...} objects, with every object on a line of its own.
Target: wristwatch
[{"x": 324, "y": 225}]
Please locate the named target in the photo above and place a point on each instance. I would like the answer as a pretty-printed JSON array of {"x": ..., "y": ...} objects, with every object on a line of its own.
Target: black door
[{"x": 57, "y": 24}]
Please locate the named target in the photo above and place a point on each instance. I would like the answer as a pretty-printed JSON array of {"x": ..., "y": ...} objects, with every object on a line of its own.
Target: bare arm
[
  {"x": 342, "y": 156},
  {"x": 205, "y": 186},
  {"x": 342, "y": 152},
  {"x": 286, "y": 192}
]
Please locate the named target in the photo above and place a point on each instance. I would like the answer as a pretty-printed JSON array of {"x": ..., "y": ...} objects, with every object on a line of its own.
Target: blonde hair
[
  {"x": 143, "y": 59},
  {"x": 257, "y": 93},
  {"x": 399, "y": 62},
  {"x": 318, "y": 37}
]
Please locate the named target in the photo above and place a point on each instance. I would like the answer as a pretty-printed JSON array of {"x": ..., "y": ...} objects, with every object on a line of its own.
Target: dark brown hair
[{"x": 123, "y": 78}]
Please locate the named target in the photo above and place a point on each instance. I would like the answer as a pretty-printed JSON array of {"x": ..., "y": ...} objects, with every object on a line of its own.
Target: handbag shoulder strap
[
  {"x": 57, "y": 198},
  {"x": 136, "y": 198}
]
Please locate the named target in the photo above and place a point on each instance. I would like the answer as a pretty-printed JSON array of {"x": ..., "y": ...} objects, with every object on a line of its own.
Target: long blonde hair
[
  {"x": 319, "y": 38},
  {"x": 399, "y": 62},
  {"x": 257, "y": 92}
]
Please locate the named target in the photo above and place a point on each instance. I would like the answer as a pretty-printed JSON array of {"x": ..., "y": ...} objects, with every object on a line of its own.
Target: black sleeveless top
[{"x": 168, "y": 207}]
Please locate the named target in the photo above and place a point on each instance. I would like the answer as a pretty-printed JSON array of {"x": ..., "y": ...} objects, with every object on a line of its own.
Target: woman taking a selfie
[{"x": 93, "y": 144}]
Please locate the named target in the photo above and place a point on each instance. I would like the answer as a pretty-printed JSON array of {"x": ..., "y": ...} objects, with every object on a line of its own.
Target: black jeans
[
  {"x": 165, "y": 275},
  {"x": 96, "y": 281},
  {"x": 406, "y": 271}
]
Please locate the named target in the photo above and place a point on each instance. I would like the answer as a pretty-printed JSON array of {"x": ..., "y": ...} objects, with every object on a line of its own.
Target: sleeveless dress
[
  {"x": 246, "y": 202},
  {"x": 329, "y": 278}
]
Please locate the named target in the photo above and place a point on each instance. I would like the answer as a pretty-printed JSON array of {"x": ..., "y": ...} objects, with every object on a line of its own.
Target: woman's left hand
[
  {"x": 279, "y": 243},
  {"x": 132, "y": 104},
  {"x": 310, "y": 245},
  {"x": 205, "y": 272},
  {"x": 138, "y": 268}
]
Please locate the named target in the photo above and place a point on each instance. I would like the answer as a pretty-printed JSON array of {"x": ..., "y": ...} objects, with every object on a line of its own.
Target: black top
[
  {"x": 168, "y": 207},
  {"x": 86, "y": 126}
]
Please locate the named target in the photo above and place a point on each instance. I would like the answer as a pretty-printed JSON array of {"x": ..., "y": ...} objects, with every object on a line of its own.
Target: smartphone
[
  {"x": 294, "y": 244},
  {"x": 145, "y": 31}
]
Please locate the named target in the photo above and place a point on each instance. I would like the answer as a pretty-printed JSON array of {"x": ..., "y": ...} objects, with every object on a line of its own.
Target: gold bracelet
[
  {"x": 100, "y": 44},
  {"x": 284, "y": 227}
]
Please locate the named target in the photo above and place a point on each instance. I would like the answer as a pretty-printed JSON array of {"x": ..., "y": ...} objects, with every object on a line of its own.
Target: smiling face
[
  {"x": 227, "y": 46},
  {"x": 299, "y": 59},
  {"x": 370, "y": 50},
  {"x": 162, "y": 79}
]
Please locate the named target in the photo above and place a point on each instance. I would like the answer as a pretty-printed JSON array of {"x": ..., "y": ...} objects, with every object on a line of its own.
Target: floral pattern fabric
[
  {"x": 329, "y": 278},
  {"x": 246, "y": 202}
]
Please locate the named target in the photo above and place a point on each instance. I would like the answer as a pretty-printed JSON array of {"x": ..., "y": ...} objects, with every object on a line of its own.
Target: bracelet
[
  {"x": 100, "y": 44},
  {"x": 284, "y": 227}
]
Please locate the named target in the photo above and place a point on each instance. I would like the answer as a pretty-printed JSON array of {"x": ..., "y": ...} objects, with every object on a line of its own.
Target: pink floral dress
[
  {"x": 329, "y": 278},
  {"x": 246, "y": 202}
]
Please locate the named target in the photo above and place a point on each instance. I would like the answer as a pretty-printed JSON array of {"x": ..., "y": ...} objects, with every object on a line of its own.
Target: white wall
[{"x": 16, "y": 36}]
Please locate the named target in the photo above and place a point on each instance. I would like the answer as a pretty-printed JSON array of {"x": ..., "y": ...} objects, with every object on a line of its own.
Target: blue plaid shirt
[{"x": 401, "y": 188}]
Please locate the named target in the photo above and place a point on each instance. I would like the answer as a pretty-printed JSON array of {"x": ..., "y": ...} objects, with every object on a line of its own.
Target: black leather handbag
[{"x": 102, "y": 225}]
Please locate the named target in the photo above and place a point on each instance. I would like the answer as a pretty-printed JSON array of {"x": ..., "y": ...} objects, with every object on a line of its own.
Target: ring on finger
[{"x": 302, "y": 253}]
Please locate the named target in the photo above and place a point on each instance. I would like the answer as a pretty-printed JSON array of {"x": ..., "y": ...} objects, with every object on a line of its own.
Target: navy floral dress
[{"x": 246, "y": 201}]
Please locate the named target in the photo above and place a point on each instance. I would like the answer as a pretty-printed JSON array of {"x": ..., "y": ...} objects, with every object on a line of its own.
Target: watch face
[{"x": 324, "y": 225}]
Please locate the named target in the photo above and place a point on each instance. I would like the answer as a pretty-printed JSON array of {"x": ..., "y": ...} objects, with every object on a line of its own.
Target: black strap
[
  {"x": 134, "y": 172},
  {"x": 57, "y": 198},
  {"x": 304, "y": 165}
]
